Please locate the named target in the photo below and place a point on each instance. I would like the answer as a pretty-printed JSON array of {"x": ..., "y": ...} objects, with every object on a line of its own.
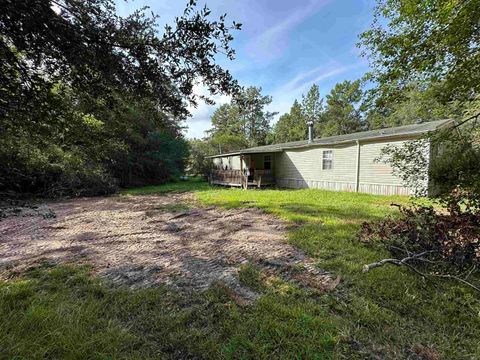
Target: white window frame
[{"x": 328, "y": 159}]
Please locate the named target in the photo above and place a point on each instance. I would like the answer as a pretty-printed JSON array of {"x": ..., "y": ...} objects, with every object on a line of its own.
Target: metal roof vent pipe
[{"x": 310, "y": 131}]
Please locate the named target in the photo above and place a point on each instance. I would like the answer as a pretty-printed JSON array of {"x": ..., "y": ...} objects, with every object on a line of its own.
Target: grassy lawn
[
  {"x": 194, "y": 184},
  {"x": 388, "y": 313}
]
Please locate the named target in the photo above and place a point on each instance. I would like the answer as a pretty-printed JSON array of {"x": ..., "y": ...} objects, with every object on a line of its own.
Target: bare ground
[{"x": 145, "y": 240}]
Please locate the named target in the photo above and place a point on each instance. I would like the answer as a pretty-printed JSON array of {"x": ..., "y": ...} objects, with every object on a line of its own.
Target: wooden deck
[{"x": 239, "y": 179}]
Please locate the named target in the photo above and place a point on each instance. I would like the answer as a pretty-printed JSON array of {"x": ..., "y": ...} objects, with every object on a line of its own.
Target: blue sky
[{"x": 284, "y": 46}]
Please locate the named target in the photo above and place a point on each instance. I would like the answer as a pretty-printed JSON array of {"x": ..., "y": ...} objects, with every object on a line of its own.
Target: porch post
[{"x": 241, "y": 170}]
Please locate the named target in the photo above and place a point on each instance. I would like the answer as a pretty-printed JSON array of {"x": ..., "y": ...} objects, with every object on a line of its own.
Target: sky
[{"x": 284, "y": 47}]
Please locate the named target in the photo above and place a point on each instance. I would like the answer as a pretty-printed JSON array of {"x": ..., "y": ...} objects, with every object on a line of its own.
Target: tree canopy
[
  {"x": 227, "y": 120},
  {"x": 86, "y": 45},
  {"x": 425, "y": 59},
  {"x": 254, "y": 116},
  {"x": 431, "y": 42},
  {"x": 291, "y": 126},
  {"x": 245, "y": 118},
  {"x": 342, "y": 114},
  {"x": 418, "y": 104},
  {"x": 91, "y": 100},
  {"x": 242, "y": 123},
  {"x": 312, "y": 104}
]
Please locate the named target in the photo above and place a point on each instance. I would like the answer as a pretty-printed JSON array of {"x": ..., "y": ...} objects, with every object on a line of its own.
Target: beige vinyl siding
[
  {"x": 377, "y": 177},
  {"x": 372, "y": 172},
  {"x": 303, "y": 168}
]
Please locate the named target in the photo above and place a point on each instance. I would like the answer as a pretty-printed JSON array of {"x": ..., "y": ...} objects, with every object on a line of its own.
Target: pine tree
[
  {"x": 226, "y": 120},
  {"x": 291, "y": 126},
  {"x": 342, "y": 114},
  {"x": 312, "y": 107},
  {"x": 255, "y": 119}
]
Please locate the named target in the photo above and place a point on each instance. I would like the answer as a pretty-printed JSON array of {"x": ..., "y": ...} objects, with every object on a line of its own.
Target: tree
[
  {"x": 441, "y": 241},
  {"x": 291, "y": 126},
  {"x": 81, "y": 146},
  {"x": 88, "y": 46},
  {"x": 253, "y": 114},
  {"x": 425, "y": 57},
  {"x": 155, "y": 149},
  {"x": 435, "y": 42},
  {"x": 342, "y": 114},
  {"x": 225, "y": 143},
  {"x": 312, "y": 107},
  {"x": 198, "y": 163},
  {"x": 417, "y": 105},
  {"x": 227, "y": 120},
  {"x": 90, "y": 99},
  {"x": 245, "y": 121}
]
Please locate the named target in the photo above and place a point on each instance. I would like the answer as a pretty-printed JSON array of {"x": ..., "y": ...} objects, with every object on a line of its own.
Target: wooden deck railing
[
  {"x": 264, "y": 176},
  {"x": 238, "y": 178},
  {"x": 228, "y": 177}
]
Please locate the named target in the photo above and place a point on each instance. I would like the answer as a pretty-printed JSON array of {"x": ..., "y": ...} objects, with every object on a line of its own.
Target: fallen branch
[
  {"x": 417, "y": 257},
  {"x": 397, "y": 262}
]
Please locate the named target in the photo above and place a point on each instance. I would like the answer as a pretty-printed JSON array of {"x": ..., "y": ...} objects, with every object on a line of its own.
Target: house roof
[{"x": 406, "y": 130}]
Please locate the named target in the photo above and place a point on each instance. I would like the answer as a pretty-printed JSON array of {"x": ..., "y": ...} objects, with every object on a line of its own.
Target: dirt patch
[{"x": 144, "y": 240}]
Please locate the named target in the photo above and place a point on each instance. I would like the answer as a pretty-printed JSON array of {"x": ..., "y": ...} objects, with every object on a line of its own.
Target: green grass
[
  {"x": 62, "y": 312},
  {"x": 388, "y": 311},
  {"x": 251, "y": 277},
  {"x": 193, "y": 184}
]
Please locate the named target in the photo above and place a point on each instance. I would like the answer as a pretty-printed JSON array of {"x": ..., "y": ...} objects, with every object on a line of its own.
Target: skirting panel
[
  {"x": 383, "y": 189},
  {"x": 315, "y": 184},
  {"x": 376, "y": 189}
]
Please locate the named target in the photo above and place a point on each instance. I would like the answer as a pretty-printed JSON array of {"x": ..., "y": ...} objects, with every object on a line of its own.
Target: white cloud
[
  {"x": 274, "y": 40},
  {"x": 306, "y": 79},
  {"x": 300, "y": 78}
]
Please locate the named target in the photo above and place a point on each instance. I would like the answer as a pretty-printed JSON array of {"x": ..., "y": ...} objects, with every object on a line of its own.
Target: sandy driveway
[{"x": 144, "y": 240}]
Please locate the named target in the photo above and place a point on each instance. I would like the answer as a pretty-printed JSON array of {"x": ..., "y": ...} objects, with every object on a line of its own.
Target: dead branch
[
  {"x": 419, "y": 257},
  {"x": 397, "y": 262}
]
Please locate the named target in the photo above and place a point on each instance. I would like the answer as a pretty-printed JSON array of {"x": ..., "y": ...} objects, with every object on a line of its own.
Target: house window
[
  {"x": 327, "y": 160},
  {"x": 267, "y": 162}
]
